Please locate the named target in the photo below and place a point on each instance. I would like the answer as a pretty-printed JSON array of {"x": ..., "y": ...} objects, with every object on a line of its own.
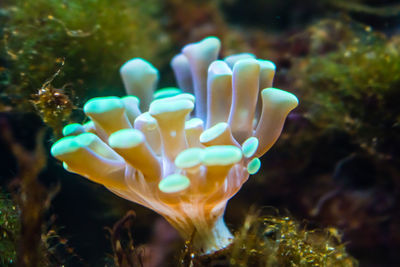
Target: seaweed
[
  {"x": 124, "y": 250},
  {"x": 28, "y": 234}
]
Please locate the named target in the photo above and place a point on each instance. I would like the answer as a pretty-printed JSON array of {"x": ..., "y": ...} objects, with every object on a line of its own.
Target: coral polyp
[{"x": 184, "y": 167}]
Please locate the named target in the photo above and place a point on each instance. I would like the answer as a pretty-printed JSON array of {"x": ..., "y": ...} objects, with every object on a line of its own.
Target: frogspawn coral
[{"x": 183, "y": 167}]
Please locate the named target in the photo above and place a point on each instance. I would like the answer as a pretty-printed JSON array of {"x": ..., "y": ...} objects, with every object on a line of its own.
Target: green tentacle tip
[
  {"x": 86, "y": 139},
  {"x": 164, "y": 106},
  {"x": 194, "y": 123},
  {"x": 213, "y": 132},
  {"x": 131, "y": 99},
  {"x": 102, "y": 104},
  {"x": 126, "y": 138},
  {"x": 254, "y": 166},
  {"x": 186, "y": 96},
  {"x": 73, "y": 129},
  {"x": 174, "y": 183},
  {"x": 266, "y": 64},
  {"x": 210, "y": 43},
  {"x": 219, "y": 68},
  {"x": 231, "y": 59},
  {"x": 167, "y": 92},
  {"x": 189, "y": 158},
  {"x": 280, "y": 97},
  {"x": 64, "y": 146},
  {"x": 221, "y": 155},
  {"x": 137, "y": 67},
  {"x": 250, "y": 146},
  {"x": 246, "y": 64}
]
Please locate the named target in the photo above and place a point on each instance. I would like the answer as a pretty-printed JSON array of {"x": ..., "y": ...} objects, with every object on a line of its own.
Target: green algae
[
  {"x": 9, "y": 230},
  {"x": 93, "y": 38},
  {"x": 277, "y": 240},
  {"x": 273, "y": 239},
  {"x": 355, "y": 88}
]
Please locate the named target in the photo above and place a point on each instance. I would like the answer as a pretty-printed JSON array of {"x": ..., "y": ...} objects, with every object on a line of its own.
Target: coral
[{"x": 185, "y": 169}]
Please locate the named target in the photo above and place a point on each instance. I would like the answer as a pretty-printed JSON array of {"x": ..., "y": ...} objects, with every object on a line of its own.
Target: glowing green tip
[
  {"x": 232, "y": 59},
  {"x": 189, "y": 158},
  {"x": 164, "y": 106},
  {"x": 186, "y": 96},
  {"x": 266, "y": 64},
  {"x": 219, "y": 68},
  {"x": 166, "y": 92},
  {"x": 253, "y": 166},
  {"x": 64, "y": 146},
  {"x": 126, "y": 138},
  {"x": 86, "y": 139},
  {"x": 221, "y": 155},
  {"x": 174, "y": 183},
  {"x": 213, "y": 132},
  {"x": 194, "y": 123},
  {"x": 72, "y": 129},
  {"x": 131, "y": 99},
  {"x": 280, "y": 97},
  {"x": 250, "y": 146},
  {"x": 203, "y": 47},
  {"x": 102, "y": 104},
  {"x": 137, "y": 67}
]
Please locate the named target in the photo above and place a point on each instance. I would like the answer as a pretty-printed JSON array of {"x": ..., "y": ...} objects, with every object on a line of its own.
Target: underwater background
[{"x": 327, "y": 193}]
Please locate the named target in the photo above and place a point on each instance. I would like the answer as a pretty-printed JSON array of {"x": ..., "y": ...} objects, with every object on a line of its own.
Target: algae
[
  {"x": 93, "y": 38},
  {"x": 268, "y": 238},
  {"x": 9, "y": 230},
  {"x": 354, "y": 88}
]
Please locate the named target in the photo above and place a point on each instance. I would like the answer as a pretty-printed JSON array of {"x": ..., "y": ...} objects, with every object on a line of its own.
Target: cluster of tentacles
[{"x": 184, "y": 167}]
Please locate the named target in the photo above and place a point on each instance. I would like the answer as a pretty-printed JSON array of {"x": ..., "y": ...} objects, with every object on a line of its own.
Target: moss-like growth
[
  {"x": 54, "y": 105},
  {"x": 93, "y": 38},
  {"x": 278, "y": 240},
  {"x": 9, "y": 230},
  {"x": 340, "y": 147},
  {"x": 355, "y": 88}
]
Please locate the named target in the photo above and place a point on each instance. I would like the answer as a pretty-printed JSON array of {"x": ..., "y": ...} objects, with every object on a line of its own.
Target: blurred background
[{"x": 336, "y": 164}]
